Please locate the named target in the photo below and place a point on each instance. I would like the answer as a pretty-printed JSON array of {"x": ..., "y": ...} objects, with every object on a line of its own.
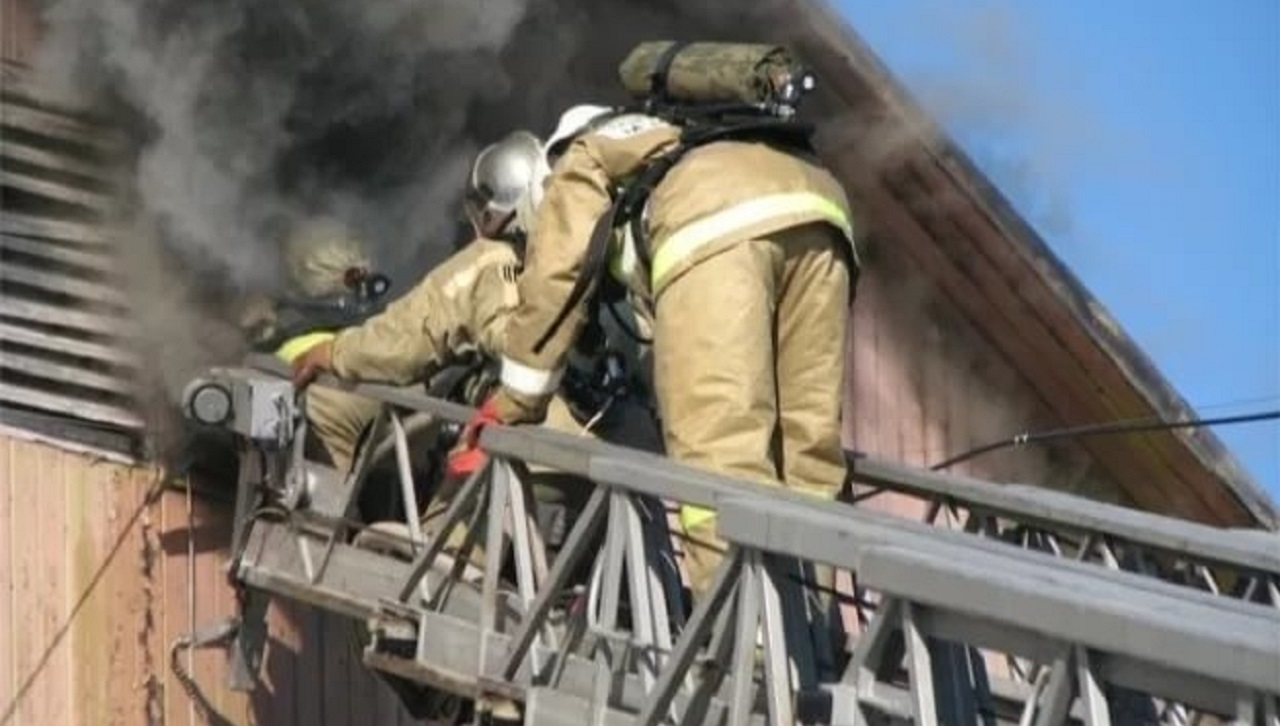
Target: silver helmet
[{"x": 505, "y": 177}]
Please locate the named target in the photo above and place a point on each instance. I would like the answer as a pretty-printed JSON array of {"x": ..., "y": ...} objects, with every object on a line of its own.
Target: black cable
[
  {"x": 1149, "y": 424},
  {"x": 189, "y": 685},
  {"x": 1112, "y": 427}
]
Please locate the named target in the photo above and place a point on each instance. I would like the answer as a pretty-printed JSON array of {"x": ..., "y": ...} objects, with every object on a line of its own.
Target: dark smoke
[
  {"x": 252, "y": 114},
  {"x": 248, "y": 116}
]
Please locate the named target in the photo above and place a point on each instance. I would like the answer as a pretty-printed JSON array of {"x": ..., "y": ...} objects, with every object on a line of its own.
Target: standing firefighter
[
  {"x": 711, "y": 207},
  {"x": 328, "y": 287}
]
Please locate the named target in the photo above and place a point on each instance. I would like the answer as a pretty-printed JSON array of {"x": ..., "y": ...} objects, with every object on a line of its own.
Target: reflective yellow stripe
[
  {"x": 295, "y": 347},
  {"x": 691, "y": 516},
  {"x": 688, "y": 239}
]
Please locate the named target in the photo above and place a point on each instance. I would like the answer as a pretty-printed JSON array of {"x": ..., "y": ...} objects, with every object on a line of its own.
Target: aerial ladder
[{"x": 1029, "y": 607}]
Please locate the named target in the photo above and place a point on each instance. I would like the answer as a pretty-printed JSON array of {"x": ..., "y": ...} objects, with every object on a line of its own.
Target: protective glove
[
  {"x": 467, "y": 456},
  {"x": 309, "y": 365}
]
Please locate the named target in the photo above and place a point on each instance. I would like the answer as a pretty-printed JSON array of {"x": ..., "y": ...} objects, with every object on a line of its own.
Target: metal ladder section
[
  {"x": 940, "y": 607},
  {"x": 1242, "y": 564}
]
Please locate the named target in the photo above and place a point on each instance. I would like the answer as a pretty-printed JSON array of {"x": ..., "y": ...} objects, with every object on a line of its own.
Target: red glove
[{"x": 467, "y": 456}]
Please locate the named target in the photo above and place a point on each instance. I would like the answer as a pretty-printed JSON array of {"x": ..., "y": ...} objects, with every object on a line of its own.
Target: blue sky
[{"x": 1142, "y": 139}]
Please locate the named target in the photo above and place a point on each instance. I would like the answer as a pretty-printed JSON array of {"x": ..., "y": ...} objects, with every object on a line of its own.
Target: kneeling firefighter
[
  {"x": 328, "y": 287},
  {"x": 707, "y": 203}
]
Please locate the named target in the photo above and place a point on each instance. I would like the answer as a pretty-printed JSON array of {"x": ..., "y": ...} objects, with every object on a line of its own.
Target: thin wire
[{"x": 1112, "y": 427}]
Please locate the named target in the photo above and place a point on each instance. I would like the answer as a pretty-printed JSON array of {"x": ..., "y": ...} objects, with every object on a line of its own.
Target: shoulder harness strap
[{"x": 628, "y": 206}]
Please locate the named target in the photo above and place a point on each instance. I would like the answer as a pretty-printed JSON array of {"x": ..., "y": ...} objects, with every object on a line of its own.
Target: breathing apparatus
[
  {"x": 712, "y": 92},
  {"x": 715, "y": 78}
]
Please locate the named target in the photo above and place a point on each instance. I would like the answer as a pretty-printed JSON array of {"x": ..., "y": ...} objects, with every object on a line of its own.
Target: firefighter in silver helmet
[{"x": 461, "y": 308}]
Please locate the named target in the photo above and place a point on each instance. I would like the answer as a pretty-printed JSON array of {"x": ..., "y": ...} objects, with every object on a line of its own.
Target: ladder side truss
[{"x": 520, "y": 636}]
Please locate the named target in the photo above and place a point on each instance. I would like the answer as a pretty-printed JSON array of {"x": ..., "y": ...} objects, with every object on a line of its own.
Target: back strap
[{"x": 629, "y": 205}]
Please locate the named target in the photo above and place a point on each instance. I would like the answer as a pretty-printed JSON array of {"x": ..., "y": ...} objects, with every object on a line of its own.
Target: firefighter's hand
[
  {"x": 310, "y": 364},
  {"x": 467, "y": 456}
]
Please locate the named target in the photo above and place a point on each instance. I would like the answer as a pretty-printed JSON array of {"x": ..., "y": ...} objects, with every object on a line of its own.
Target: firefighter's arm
[
  {"x": 577, "y": 194},
  {"x": 398, "y": 346},
  {"x": 494, "y": 298}
]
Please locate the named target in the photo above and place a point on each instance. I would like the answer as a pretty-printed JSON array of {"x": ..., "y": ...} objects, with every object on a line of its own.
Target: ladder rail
[{"x": 1091, "y": 626}]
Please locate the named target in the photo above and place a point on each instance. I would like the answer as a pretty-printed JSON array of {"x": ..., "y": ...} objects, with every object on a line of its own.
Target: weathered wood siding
[
  {"x": 96, "y": 583},
  {"x": 924, "y": 385},
  {"x": 99, "y": 574}
]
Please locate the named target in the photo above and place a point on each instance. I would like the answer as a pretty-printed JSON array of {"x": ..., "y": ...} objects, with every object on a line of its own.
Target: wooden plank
[
  {"x": 8, "y": 562},
  {"x": 90, "y": 638},
  {"x": 338, "y": 672},
  {"x": 208, "y": 535},
  {"x": 57, "y": 253},
  {"x": 63, "y": 316},
  {"x": 936, "y": 370},
  {"x": 55, "y": 229},
  {"x": 64, "y": 344},
  {"x": 142, "y": 604},
  {"x": 366, "y": 694},
  {"x": 866, "y": 393},
  {"x": 53, "y": 125},
  {"x": 24, "y": 473},
  {"x": 57, "y": 191},
  {"x": 309, "y": 674},
  {"x": 53, "y": 686},
  {"x": 863, "y": 371},
  {"x": 233, "y": 705},
  {"x": 50, "y": 160},
  {"x": 173, "y": 601},
  {"x": 60, "y": 282},
  {"x": 73, "y": 407},
  {"x": 282, "y": 663}
]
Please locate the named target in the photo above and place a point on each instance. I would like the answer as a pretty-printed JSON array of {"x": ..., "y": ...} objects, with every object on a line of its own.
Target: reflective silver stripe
[{"x": 529, "y": 381}]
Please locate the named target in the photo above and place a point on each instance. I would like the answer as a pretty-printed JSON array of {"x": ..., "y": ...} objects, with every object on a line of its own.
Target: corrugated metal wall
[{"x": 96, "y": 583}]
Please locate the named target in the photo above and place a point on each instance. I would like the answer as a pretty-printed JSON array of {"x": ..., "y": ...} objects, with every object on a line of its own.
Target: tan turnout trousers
[{"x": 749, "y": 368}]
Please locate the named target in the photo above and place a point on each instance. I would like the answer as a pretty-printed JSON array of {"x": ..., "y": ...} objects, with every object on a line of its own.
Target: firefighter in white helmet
[{"x": 746, "y": 264}]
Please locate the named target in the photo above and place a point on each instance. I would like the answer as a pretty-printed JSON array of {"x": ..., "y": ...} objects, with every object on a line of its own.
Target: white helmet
[
  {"x": 503, "y": 175},
  {"x": 572, "y": 122}
]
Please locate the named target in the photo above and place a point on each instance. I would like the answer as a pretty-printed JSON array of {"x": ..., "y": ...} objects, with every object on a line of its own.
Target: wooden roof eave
[{"x": 1018, "y": 293}]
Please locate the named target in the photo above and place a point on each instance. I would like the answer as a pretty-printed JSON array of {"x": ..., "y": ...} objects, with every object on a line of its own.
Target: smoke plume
[{"x": 247, "y": 117}]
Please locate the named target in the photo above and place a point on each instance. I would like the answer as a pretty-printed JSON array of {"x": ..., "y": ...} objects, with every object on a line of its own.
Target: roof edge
[{"x": 1136, "y": 366}]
